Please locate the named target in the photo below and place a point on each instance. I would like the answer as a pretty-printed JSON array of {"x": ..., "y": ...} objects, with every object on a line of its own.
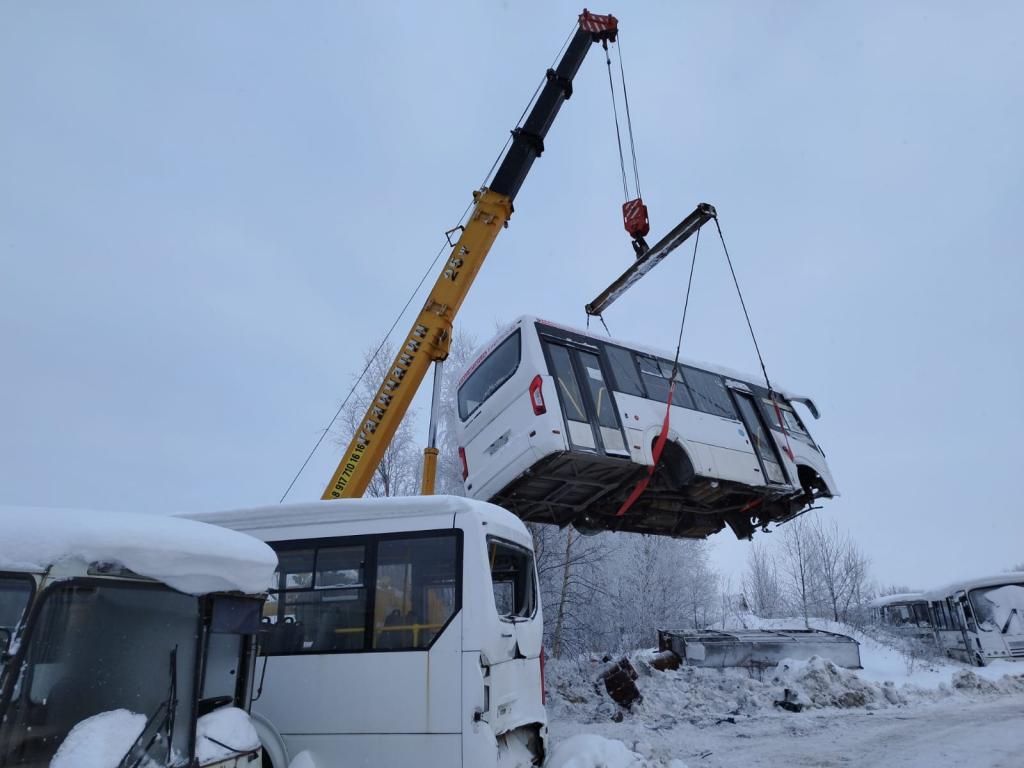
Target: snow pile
[
  {"x": 100, "y": 741},
  {"x": 818, "y": 682},
  {"x": 591, "y": 751},
  {"x": 190, "y": 556},
  {"x": 703, "y": 696},
  {"x": 699, "y": 713},
  {"x": 915, "y": 667},
  {"x": 224, "y": 732}
]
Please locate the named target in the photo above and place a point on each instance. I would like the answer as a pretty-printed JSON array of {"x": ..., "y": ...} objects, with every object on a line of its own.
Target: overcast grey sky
[{"x": 207, "y": 211}]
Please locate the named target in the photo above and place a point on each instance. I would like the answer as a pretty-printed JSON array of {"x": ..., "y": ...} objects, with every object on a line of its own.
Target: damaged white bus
[
  {"x": 558, "y": 426},
  {"x": 402, "y": 631},
  {"x": 904, "y": 614},
  {"x": 127, "y": 640},
  {"x": 978, "y": 620}
]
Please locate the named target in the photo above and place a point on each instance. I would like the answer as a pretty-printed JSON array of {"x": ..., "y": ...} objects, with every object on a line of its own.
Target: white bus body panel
[{"x": 396, "y": 709}]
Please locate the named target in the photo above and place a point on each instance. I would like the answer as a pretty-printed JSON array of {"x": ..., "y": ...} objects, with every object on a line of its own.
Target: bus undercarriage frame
[{"x": 587, "y": 490}]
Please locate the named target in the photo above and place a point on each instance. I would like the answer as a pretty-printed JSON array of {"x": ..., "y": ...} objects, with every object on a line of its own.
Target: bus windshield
[
  {"x": 1000, "y": 608},
  {"x": 88, "y": 647}
]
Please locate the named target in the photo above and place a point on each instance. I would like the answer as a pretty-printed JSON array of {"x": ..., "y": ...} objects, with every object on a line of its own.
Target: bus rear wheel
[{"x": 677, "y": 466}]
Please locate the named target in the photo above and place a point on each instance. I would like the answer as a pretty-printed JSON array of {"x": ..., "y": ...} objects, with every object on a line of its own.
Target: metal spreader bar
[{"x": 646, "y": 261}]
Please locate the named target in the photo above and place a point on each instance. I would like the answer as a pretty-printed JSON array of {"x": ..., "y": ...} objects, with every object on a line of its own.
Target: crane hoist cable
[
  {"x": 659, "y": 444},
  {"x": 753, "y": 336},
  {"x": 634, "y": 212},
  {"x": 398, "y": 318}
]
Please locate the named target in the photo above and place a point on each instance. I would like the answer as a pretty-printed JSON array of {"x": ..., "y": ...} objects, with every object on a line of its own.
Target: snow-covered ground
[{"x": 902, "y": 709}]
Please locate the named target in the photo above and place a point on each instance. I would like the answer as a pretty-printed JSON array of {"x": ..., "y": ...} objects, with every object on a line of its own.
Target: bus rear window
[
  {"x": 512, "y": 574},
  {"x": 494, "y": 371}
]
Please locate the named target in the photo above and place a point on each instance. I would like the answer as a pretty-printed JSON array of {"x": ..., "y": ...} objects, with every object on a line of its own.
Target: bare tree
[
  {"x": 858, "y": 568},
  {"x": 399, "y": 471},
  {"x": 841, "y": 567},
  {"x": 831, "y": 547},
  {"x": 699, "y": 584},
  {"x": 796, "y": 564},
  {"x": 761, "y": 587},
  {"x": 570, "y": 570}
]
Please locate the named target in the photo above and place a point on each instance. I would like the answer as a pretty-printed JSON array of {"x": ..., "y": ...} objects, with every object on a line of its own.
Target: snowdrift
[{"x": 702, "y": 698}]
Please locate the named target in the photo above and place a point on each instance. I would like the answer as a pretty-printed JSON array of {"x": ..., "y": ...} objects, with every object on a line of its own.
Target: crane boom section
[
  {"x": 427, "y": 341},
  {"x": 430, "y": 337}
]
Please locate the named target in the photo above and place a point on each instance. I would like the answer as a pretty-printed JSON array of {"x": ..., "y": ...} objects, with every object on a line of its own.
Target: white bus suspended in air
[
  {"x": 401, "y": 631},
  {"x": 978, "y": 620},
  {"x": 558, "y": 425}
]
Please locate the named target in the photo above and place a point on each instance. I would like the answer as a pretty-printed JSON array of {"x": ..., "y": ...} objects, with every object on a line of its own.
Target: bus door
[
  {"x": 965, "y": 618},
  {"x": 591, "y": 418},
  {"x": 757, "y": 430}
]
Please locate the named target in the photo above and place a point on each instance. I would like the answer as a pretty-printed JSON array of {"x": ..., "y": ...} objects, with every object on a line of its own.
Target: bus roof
[
  {"x": 719, "y": 369},
  {"x": 906, "y": 597},
  {"x": 1013, "y": 577},
  {"x": 356, "y": 510},
  {"x": 186, "y": 555}
]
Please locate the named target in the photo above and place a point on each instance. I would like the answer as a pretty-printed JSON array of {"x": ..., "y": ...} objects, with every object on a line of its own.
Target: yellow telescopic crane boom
[{"x": 431, "y": 333}]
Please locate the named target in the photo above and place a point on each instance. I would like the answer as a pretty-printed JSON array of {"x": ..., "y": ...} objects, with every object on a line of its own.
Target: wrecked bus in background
[
  {"x": 558, "y": 426},
  {"x": 127, "y": 640},
  {"x": 978, "y": 620},
  {"x": 903, "y": 614}
]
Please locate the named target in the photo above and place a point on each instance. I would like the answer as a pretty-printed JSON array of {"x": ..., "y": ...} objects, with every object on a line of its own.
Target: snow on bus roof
[
  {"x": 905, "y": 597},
  {"x": 654, "y": 352},
  {"x": 1011, "y": 577},
  {"x": 186, "y": 555},
  {"x": 352, "y": 510}
]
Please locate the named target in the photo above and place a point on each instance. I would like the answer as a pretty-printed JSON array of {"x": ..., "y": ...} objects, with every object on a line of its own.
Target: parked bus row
[
  {"x": 974, "y": 620},
  {"x": 558, "y": 425}
]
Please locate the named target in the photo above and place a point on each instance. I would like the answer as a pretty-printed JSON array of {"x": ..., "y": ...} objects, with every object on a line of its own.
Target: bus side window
[
  {"x": 512, "y": 576},
  {"x": 625, "y": 376},
  {"x": 322, "y": 606},
  {"x": 709, "y": 393},
  {"x": 417, "y": 590},
  {"x": 565, "y": 380},
  {"x": 655, "y": 384}
]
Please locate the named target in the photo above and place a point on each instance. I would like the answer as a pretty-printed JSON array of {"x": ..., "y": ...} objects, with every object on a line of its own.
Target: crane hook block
[
  {"x": 634, "y": 216},
  {"x": 601, "y": 28}
]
